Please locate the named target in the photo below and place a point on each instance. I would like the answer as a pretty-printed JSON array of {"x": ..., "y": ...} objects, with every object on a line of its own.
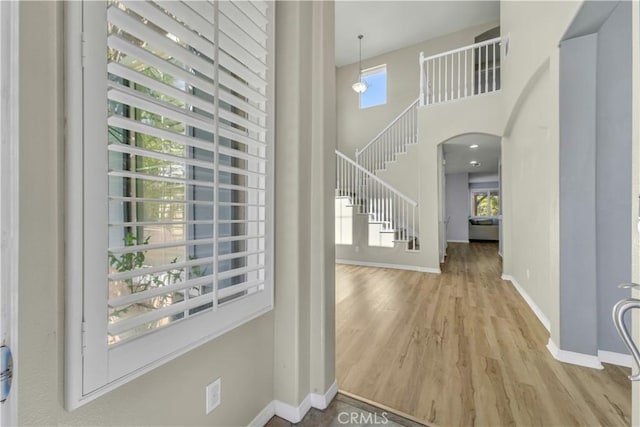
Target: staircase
[
  {"x": 391, "y": 141},
  {"x": 385, "y": 206},
  {"x": 449, "y": 76}
]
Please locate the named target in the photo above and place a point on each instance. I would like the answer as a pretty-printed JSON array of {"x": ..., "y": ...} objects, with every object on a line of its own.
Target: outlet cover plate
[{"x": 213, "y": 395}]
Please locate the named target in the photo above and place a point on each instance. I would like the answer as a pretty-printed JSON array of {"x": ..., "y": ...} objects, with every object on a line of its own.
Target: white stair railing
[
  {"x": 459, "y": 73},
  {"x": 393, "y": 139},
  {"x": 384, "y": 204}
]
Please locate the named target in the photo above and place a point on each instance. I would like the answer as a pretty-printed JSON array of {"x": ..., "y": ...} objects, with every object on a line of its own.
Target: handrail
[
  {"x": 463, "y": 48},
  {"x": 378, "y": 180},
  {"x": 388, "y": 126}
]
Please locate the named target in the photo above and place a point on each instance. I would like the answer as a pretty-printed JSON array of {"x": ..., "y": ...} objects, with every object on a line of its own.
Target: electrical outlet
[
  {"x": 357, "y": 248},
  {"x": 213, "y": 395},
  {"x": 528, "y": 274}
]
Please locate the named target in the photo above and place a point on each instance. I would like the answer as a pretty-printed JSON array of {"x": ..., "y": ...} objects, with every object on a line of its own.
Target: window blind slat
[
  {"x": 196, "y": 21},
  {"x": 150, "y": 223},
  {"x": 138, "y": 29},
  {"x": 121, "y": 326},
  {"x": 164, "y": 245},
  {"x": 201, "y": 44},
  {"x": 159, "y": 269},
  {"x": 189, "y": 78},
  {"x": 236, "y": 289},
  {"x": 256, "y": 16},
  {"x": 138, "y": 127},
  {"x": 238, "y": 16},
  {"x": 151, "y": 293},
  {"x": 239, "y": 271},
  {"x": 136, "y": 99},
  {"x": 131, "y": 75},
  {"x": 239, "y": 255},
  {"x": 155, "y": 200},
  {"x": 236, "y": 33},
  {"x": 132, "y": 149},
  {"x": 170, "y": 180}
]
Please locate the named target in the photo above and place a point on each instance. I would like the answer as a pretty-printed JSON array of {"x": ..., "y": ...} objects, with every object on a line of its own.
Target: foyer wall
[{"x": 357, "y": 127}]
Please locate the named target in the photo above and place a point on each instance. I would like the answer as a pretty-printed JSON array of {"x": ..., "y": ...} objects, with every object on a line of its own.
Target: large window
[
  {"x": 376, "y": 93},
  {"x": 344, "y": 221},
  {"x": 485, "y": 203},
  {"x": 175, "y": 135}
]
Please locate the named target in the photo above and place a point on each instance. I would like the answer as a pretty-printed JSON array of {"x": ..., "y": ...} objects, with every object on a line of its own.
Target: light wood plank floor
[{"x": 463, "y": 348}]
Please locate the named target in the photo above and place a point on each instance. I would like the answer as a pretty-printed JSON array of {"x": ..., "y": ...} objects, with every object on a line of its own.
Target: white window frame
[
  {"x": 92, "y": 367},
  {"x": 369, "y": 72},
  {"x": 9, "y": 194},
  {"x": 489, "y": 191}
]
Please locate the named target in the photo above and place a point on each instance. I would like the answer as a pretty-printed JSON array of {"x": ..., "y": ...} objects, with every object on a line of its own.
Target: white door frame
[
  {"x": 635, "y": 143},
  {"x": 9, "y": 199}
]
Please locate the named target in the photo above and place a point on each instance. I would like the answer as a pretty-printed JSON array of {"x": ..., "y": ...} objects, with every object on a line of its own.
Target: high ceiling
[
  {"x": 457, "y": 154},
  {"x": 390, "y": 25}
]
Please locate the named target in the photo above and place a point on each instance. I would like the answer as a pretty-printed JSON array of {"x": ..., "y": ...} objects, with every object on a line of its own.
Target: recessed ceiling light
[
  {"x": 474, "y": 163},
  {"x": 474, "y": 146}
]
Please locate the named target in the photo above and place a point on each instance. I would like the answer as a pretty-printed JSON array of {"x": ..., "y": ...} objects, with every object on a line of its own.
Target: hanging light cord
[{"x": 360, "y": 60}]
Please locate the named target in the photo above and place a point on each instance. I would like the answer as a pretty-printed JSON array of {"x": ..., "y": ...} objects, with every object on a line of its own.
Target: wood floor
[{"x": 463, "y": 348}]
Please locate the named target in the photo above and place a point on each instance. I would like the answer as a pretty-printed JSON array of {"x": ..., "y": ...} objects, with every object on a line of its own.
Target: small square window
[{"x": 376, "y": 93}]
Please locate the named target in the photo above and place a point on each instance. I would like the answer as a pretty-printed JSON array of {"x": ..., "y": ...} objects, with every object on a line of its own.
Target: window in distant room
[
  {"x": 485, "y": 203},
  {"x": 376, "y": 93}
]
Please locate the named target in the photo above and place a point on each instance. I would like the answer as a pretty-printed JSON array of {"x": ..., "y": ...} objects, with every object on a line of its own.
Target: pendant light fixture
[{"x": 360, "y": 86}]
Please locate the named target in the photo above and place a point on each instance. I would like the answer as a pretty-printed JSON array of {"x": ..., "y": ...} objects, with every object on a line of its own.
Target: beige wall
[
  {"x": 305, "y": 123},
  {"x": 174, "y": 394},
  {"x": 357, "y": 127},
  {"x": 530, "y": 156}
]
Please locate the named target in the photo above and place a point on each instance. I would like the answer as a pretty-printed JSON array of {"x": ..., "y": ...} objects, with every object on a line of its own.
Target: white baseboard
[
  {"x": 264, "y": 416},
  {"x": 581, "y": 359},
  {"x": 614, "y": 358},
  {"x": 574, "y": 358},
  {"x": 385, "y": 265},
  {"x": 457, "y": 241},
  {"x": 321, "y": 401},
  {"x": 534, "y": 307},
  {"x": 295, "y": 414}
]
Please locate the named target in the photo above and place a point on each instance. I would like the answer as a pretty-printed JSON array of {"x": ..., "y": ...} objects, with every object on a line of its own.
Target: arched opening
[{"x": 469, "y": 198}]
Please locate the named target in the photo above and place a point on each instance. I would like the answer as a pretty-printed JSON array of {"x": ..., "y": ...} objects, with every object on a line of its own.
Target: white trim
[
  {"x": 264, "y": 416},
  {"x": 293, "y": 414},
  {"x": 580, "y": 359},
  {"x": 457, "y": 241},
  {"x": 613, "y": 358},
  {"x": 534, "y": 307},
  {"x": 10, "y": 191},
  {"x": 385, "y": 265},
  {"x": 321, "y": 401}
]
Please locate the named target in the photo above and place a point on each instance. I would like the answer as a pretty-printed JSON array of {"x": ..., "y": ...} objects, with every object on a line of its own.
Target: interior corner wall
[
  {"x": 578, "y": 296},
  {"x": 173, "y": 394},
  {"x": 355, "y": 126},
  {"x": 530, "y": 199},
  {"x": 304, "y": 347},
  {"x": 457, "y": 203},
  {"x": 613, "y": 165}
]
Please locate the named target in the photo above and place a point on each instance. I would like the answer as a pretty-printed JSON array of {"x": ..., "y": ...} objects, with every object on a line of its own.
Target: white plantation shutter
[{"x": 177, "y": 179}]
